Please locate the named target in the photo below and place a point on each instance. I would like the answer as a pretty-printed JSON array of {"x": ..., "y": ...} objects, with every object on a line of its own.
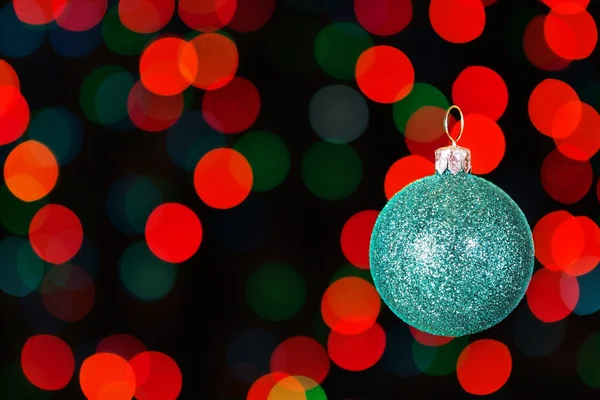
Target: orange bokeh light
[
  {"x": 468, "y": 91},
  {"x": 145, "y": 16},
  {"x": 168, "y": 66},
  {"x": 30, "y": 171},
  {"x": 350, "y": 306},
  {"x": 404, "y": 172},
  {"x": 571, "y": 36},
  {"x": 357, "y": 352},
  {"x": 217, "y": 60},
  {"x": 485, "y": 139},
  {"x": 105, "y": 376},
  {"x": 483, "y": 367},
  {"x": 223, "y": 178},
  {"x": 457, "y": 21},
  {"x": 552, "y": 295},
  {"x": 262, "y": 387},
  {"x": 356, "y": 237},
  {"x": 173, "y": 232},
  {"x": 384, "y": 74}
]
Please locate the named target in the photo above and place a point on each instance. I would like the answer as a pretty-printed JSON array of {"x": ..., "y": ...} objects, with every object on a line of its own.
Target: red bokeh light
[
  {"x": 173, "y": 232},
  {"x": 38, "y": 12},
  {"x": 107, "y": 376},
  {"x": 467, "y": 91},
  {"x": 55, "y": 233},
  {"x": 68, "y": 292},
  {"x": 47, "y": 362},
  {"x": 457, "y": 21},
  {"x": 483, "y": 367},
  {"x": 157, "y": 376},
  {"x": 357, "y": 352},
  {"x": 427, "y": 339},
  {"x": 251, "y": 15},
  {"x": 564, "y": 179},
  {"x": 552, "y": 295},
  {"x": 356, "y": 237},
  {"x": 536, "y": 48},
  {"x": 404, "y": 172},
  {"x": 125, "y": 346},
  {"x": 301, "y": 356},
  {"x": 206, "y": 15},
  {"x": 383, "y": 17},
  {"x": 262, "y": 387},
  {"x": 571, "y": 36},
  {"x": 584, "y": 142},
  {"x": 146, "y": 16},
  {"x": 543, "y": 234},
  {"x": 554, "y": 108},
  {"x": 82, "y": 15},
  {"x": 14, "y": 114},
  {"x": 232, "y": 108},
  {"x": 217, "y": 61},
  {"x": 151, "y": 112},
  {"x": 8, "y": 76}
]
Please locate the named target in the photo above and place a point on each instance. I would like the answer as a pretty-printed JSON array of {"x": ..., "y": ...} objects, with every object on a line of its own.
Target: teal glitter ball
[{"x": 451, "y": 255}]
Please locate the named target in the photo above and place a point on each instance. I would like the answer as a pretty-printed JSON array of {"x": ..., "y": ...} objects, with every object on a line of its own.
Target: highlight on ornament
[{"x": 452, "y": 254}]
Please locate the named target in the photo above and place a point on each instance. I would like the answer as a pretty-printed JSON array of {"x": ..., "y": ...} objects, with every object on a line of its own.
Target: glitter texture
[{"x": 451, "y": 255}]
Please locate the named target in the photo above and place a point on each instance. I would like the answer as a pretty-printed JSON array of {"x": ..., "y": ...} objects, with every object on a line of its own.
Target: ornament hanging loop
[{"x": 462, "y": 124}]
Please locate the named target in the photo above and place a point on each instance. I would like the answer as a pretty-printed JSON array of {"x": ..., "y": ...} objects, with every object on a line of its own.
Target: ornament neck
[{"x": 453, "y": 158}]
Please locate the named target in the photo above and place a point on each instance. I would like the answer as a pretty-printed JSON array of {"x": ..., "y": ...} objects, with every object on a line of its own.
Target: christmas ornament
[{"x": 451, "y": 254}]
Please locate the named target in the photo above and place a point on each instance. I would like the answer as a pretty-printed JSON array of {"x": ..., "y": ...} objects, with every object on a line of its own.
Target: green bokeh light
[
  {"x": 338, "y": 47},
  {"x": 59, "y": 130},
  {"x": 275, "y": 291},
  {"x": 144, "y": 275},
  {"x": 21, "y": 270},
  {"x": 438, "y": 361},
  {"x": 15, "y": 215},
  {"x": 331, "y": 171},
  {"x": 268, "y": 156},
  {"x": 315, "y": 393},
  {"x": 104, "y": 94},
  {"x": 422, "y": 95},
  {"x": 120, "y": 39},
  {"x": 588, "y": 361}
]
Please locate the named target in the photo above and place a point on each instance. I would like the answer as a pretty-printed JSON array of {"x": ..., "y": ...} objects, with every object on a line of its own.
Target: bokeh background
[{"x": 189, "y": 188}]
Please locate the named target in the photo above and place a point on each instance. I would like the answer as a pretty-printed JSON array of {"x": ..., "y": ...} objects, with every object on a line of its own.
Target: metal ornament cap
[{"x": 454, "y": 159}]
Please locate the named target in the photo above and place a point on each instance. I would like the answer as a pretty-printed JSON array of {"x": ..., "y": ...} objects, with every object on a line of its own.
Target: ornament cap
[{"x": 454, "y": 159}]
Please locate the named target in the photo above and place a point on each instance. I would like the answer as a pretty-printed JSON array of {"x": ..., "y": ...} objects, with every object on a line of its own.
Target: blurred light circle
[
  {"x": 74, "y": 44},
  {"x": 567, "y": 6},
  {"x": 249, "y": 354},
  {"x": 588, "y": 366},
  {"x": 106, "y": 375},
  {"x": 484, "y": 367},
  {"x": 467, "y": 90},
  {"x": 350, "y": 306},
  {"x": 547, "y": 100},
  {"x": 15, "y": 214},
  {"x": 206, "y": 16},
  {"x": 356, "y": 237},
  {"x": 125, "y": 346},
  {"x": 427, "y": 339},
  {"x": 338, "y": 47},
  {"x": 582, "y": 144},
  {"x": 565, "y": 180},
  {"x": 536, "y": 338},
  {"x": 301, "y": 356},
  {"x": 441, "y": 360},
  {"x": 537, "y": 50},
  {"x": 357, "y": 352},
  {"x": 30, "y": 171},
  {"x": 331, "y": 171},
  {"x": 55, "y": 233},
  {"x": 216, "y": 60},
  {"x": 14, "y": 114},
  {"x": 144, "y": 275},
  {"x": 421, "y": 95},
  {"x": 552, "y": 295},
  {"x": 68, "y": 292},
  {"x": 168, "y": 66},
  {"x": 251, "y": 15},
  {"x": 60, "y": 130},
  {"x": 146, "y": 16},
  {"x": 544, "y": 232},
  {"x": 104, "y": 94},
  {"x": 157, "y": 376},
  {"x": 261, "y": 388},
  {"x": 567, "y": 243},
  {"x": 571, "y": 36},
  {"x": 384, "y": 74},
  {"x": 151, "y": 112},
  {"x": 383, "y": 17},
  {"x": 223, "y": 178},
  {"x": 589, "y": 257},
  {"x": 589, "y": 295},
  {"x": 232, "y": 108},
  {"x": 38, "y": 12},
  {"x": 82, "y": 15},
  {"x": 397, "y": 357},
  {"x": 404, "y": 172},
  {"x": 22, "y": 270},
  {"x": 338, "y": 114},
  {"x": 457, "y": 21},
  {"x": 130, "y": 202},
  {"x": 426, "y": 126},
  {"x": 275, "y": 291},
  {"x": 173, "y": 232},
  {"x": 296, "y": 388},
  {"x": 47, "y": 362},
  {"x": 268, "y": 156},
  {"x": 484, "y": 137},
  {"x": 18, "y": 39},
  {"x": 8, "y": 76},
  {"x": 120, "y": 39}
]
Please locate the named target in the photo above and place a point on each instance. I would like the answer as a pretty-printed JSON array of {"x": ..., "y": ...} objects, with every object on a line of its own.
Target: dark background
[{"x": 196, "y": 322}]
